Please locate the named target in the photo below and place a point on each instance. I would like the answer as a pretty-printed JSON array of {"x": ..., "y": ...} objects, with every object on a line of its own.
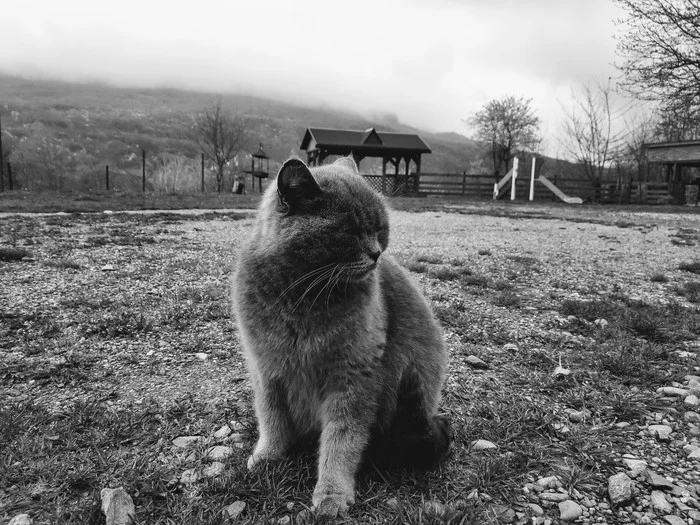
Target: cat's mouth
[{"x": 359, "y": 273}]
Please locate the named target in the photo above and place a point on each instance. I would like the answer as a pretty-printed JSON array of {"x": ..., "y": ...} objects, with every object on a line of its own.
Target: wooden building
[
  {"x": 675, "y": 158},
  {"x": 392, "y": 148}
]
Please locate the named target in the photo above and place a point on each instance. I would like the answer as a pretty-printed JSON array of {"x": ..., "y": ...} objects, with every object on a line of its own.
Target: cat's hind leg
[{"x": 417, "y": 437}]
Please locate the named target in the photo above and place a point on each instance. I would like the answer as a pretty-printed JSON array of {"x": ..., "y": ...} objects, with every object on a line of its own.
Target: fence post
[
  {"x": 107, "y": 176},
  {"x": 464, "y": 183},
  {"x": 143, "y": 171},
  {"x": 202, "y": 172},
  {"x": 512, "y": 178},
  {"x": 532, "y": 179}
]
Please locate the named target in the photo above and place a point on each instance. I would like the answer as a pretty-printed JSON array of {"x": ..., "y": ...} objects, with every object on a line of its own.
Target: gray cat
[{"x": 339, "y": 342}]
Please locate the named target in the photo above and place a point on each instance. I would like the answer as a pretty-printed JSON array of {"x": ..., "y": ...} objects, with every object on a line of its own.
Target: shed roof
[
  {"x": 370, "y": 139},
  {"x": 686, "y": 153}
]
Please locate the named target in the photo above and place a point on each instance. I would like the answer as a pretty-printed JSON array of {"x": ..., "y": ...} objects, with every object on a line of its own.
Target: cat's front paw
[
  {"x": 264, "y": 452},
  {"x": 254, "y": 460},
  {"x": 330, "y": 505}
]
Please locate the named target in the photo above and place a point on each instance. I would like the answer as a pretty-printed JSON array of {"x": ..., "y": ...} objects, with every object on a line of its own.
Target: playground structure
[{"x": 500, "y": 187}]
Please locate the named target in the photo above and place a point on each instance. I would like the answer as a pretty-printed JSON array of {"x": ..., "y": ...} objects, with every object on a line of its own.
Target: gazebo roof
[
  {"x": 686, "y": 153},
  {"x": 369, "y": 141}
]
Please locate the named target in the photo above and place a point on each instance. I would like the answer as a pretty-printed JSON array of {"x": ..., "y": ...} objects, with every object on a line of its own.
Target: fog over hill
[{"x": 104, "y": 124}]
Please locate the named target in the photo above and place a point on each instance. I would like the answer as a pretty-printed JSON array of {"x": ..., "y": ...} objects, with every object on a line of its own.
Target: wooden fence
[{"x": 480, "y": 186}]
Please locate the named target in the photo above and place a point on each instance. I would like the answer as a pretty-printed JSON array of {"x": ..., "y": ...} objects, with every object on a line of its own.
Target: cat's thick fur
[{"x": 339, "y": 342}]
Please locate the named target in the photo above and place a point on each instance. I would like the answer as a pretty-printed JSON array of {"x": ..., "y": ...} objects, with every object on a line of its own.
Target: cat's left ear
[
  {"x": 296, "y": 185},
  {"x": 348, "y": 162}
]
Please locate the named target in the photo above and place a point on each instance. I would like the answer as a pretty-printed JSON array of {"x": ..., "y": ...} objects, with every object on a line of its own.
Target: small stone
[
  {"x": 218, "y": 452},
  {"x": 674, "y": 520},
  {"x": 475, "y": 362},
  {"x": 576, "y": 416},
  {"x": 570, "y": 510},
  {"x": 695, "y": 454},
  {"x": 602, "y": 323},
  {"x": 635, "y": 465},
  {"x": 692, "y": 417},
  {"x": 694, "y": 432},
  {"x": 510, "y": 347},
  {"x": 549, "y": 482},
  {"x": 189, "y": 476},
  {"x": 482, "y": 444},
  {"x": 554, "y": 496},
  {"x": 692, "y": 401},
  {"x": 694, "y": 515},
  {"x": 434, "y": 508},
  {"x": 622, "y": 424},
  {"x": 236, "y": 438},
  {"x": 536, "y": 509},
  {"x": 21, "y": 519},
  {"x": 284, "y": 520},
  {"x": 657, "y": 481},
  {"x": 235, "y": 509},
  {"x": 237, "y": 426},
  {"x": 620, "y": 488},
  {"x": 672, "y": 391},
  {"x": 661, "y": 432},
  {"x": 393, "y": 504},
  {"x": 223, "y": 432},
  {"x": 185, "y": 441},
  {"x": 201, "y": 356},
  {"x": 213, "y": 470},
  {"x": 659, "y": 502},
  {"x": 504, "y": 514},
  {"x": 108, "y": 268},
  {"x": 118, "y": 507}
]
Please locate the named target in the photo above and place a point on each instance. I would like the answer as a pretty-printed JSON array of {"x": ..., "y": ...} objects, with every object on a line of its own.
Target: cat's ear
[
  {"x": 296, "y": 185},
  {"x": 348, "y": 162}
]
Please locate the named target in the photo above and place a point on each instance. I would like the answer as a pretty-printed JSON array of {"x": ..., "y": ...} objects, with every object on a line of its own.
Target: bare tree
[
  {"x": 221, "y": 135},
  {"x": 592, "y": 134},
  {"x": 506, "y": 125},
  {"x": 660, "y": 48}
]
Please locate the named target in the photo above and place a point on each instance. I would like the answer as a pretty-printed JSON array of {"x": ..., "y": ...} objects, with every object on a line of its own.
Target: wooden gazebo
[
  {"x": 674, "y": 157},
  {"x": 392, "y": 148}
]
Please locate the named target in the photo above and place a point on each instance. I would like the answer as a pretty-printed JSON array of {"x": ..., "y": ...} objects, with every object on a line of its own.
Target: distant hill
[{"x": 99, "y": 124}]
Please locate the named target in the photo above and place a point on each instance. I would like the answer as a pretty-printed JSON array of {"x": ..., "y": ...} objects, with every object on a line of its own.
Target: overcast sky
[{"x": 432, "y": 63}]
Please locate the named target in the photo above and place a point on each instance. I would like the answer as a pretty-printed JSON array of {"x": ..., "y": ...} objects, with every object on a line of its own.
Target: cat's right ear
[{"x": 296, "y": 185}]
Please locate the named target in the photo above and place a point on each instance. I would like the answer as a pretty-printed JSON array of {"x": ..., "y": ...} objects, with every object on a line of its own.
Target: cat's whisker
[
  {"x": 326, "y": 287},
  {"x": 301, "y": 279},
  {"x": 316, "y": 281}
]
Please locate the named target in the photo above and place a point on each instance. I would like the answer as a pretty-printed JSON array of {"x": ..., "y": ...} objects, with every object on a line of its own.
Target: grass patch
[
  {"x": 429, "y": 259},
  {"x": 66, "y": 264},
  {"x": 416, "y": 267},
  {"x": 690, "y": 290},
  {"x": 692, "y": 267},
  {"x": 444, "y": 273},
  {"x": 658, "y": 277},
  {"x": 507, "y": 299},
  {"x": 13, "y": 254}
]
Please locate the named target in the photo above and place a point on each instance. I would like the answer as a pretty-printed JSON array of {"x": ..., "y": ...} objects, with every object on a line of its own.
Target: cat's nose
[{"x": 374, "y": 255}]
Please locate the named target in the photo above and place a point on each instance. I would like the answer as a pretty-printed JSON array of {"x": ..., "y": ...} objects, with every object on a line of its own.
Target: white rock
[
  {"x": 692, "y": 401},
  {"x": 118, "y": 507},
  {"x": 536, "y": 509},
  {"x": 635, "y": 465},
  {"x": 21, "y": 519},
  {"x": 108, "y": 212},
  {"x": 510, "y": 347},
  {"x": 576, "y": 416},
  {"x": 570, "y": 510},
  {"x": 553, "y": 496},
  {"x": 482, "y": 444},
  {"x": 190, "y": 476},
  {"x": 672, "y": 519},
  {"x": 659, "y": 502},
  {"x": 620, "y": 488},
  {"x": 201, "y": 356},
  {"x": 601, "y": 322},
  {"x": 218, "y": 452},
  {"x": 213, "y": 470},
  {"x": 549, "y": 482},
  {"x": 692, "y": 417},
  {"x": 284, "y": 520},
  {"x": 475, "y": 362},
  {"x": 694, "y": 454},
  {"x": 672, "y": 391},
  {"x": 235, "y": 509},
  {"x": 223, "y": 432},
  {"x": 661, "y": 432},
  {"x": 185, "y": 441},
  {"x": 108, "y": 268}
]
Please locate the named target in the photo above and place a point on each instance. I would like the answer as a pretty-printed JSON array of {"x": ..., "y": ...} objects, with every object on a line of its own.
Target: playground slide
[{"x": 569, "y": 200}]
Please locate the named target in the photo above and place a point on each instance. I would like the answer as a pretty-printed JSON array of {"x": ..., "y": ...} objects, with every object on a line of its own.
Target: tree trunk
[{"x": 676, "y": 186}]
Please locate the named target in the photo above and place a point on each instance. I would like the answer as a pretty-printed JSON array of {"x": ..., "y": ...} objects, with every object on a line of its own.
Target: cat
[{"x": 338, "y": 340}]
